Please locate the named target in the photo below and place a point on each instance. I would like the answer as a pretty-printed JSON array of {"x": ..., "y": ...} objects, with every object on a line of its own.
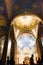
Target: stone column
[
  {"x": 13, "y": 43},
  {"x": 5, "y": 48},
  {"x": 38, "y": 42}
]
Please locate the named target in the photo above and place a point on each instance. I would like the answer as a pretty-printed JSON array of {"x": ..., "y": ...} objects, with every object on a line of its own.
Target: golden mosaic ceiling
[{"x": 26, "y": 22}]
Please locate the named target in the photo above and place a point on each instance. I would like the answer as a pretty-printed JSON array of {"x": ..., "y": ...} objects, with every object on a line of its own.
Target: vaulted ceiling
[
  {"x": 11, "y": 8},
  {"x": 14, "y": 7}
]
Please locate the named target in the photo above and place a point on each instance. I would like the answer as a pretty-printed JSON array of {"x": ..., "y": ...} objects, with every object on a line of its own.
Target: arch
[
  {"x": 26, "y": 45},
  {"x": 26, "y": 21},
  {"x": 26, "y": 32}
]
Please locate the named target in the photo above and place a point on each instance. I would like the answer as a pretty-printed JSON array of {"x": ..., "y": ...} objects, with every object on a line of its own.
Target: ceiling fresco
[
  {"x": 16, "y": 6},
  {"x": 26, "y": 21},
  {"x": 10, "y": 8}
]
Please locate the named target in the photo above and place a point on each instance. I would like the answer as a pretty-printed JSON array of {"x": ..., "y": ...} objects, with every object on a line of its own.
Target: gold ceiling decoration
[
  {"x": 2, "y": 21},
  {"x": 26, "y": 22}
]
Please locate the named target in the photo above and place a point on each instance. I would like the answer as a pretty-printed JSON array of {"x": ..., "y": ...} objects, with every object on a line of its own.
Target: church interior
[{"x": 21, "y": 30}]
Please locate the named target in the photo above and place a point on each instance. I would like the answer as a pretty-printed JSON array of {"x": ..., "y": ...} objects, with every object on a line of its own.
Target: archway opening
[
  {"x": 25, "y": 31},
  {"x": 26, "y": 46}
]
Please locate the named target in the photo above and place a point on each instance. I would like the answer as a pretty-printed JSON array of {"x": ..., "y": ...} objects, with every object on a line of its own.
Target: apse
[{"x": 26, "y": 46}]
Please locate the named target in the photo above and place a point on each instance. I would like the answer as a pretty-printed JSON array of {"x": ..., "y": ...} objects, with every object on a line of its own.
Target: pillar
[
  {"x": 5, "y": 48},
  {"x": 38, "y": 42},
  {"x": 13, "y": 43}
]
